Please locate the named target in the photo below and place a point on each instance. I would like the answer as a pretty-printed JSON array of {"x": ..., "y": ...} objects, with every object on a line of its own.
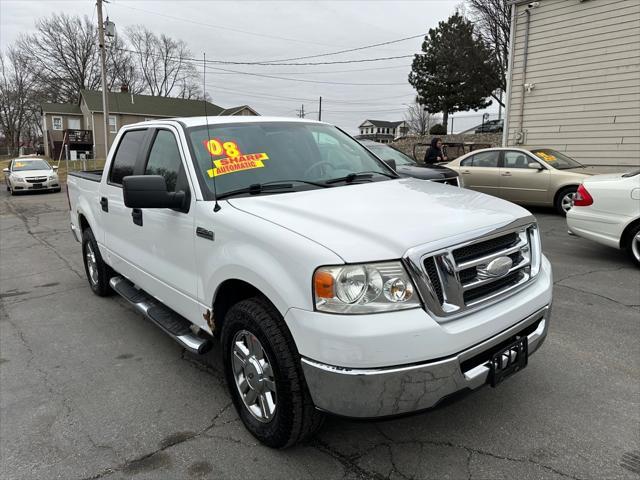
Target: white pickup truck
[{"x": 331, "y": 284}]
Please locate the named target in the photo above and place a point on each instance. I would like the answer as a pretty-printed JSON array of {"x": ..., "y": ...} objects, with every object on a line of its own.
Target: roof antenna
[{"x": 217, "y": 206}]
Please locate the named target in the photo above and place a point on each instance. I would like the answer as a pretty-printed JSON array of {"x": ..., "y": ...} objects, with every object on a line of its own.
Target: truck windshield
[{"x": 245, "y": 154}]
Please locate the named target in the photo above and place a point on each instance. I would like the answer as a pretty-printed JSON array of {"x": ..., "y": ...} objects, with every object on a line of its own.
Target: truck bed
[{"x": 91, "y": 175}]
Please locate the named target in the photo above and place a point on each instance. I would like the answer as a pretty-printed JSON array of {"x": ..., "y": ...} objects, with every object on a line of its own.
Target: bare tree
[
  {"x": 163, "y": 63},
  {"x": 17, "y": 87},
  {"x": 419, "y": 119},
  {"x": 493, "y": 23},
  {"x": 64, "y": 53},
  {"x": 122, "y": 68}
]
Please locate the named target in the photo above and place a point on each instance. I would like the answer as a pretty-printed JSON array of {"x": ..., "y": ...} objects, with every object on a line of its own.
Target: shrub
[{"x": 438, "y": 129}]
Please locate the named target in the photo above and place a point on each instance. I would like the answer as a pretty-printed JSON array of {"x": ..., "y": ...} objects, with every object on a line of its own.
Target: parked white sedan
[
  {"x": 606, "y": 209},
  {"x": 31, "y": 173}
]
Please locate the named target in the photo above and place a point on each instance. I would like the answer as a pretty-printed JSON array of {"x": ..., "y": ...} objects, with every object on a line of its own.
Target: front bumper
[
  {"x": 45, "y": 185},
  {"x": 380, "y": 392}
]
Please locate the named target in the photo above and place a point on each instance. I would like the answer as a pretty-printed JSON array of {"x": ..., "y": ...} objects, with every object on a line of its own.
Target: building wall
[
  {"x": 57, "y": 135},
  {"x": 584, "y": 63}
]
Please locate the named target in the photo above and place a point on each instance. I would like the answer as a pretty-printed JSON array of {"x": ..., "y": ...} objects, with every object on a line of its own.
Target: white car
[
  {"x": 30, "y": 173},
  {"x": 326, "y": 292},
  {"x": 606, "y": 209}
]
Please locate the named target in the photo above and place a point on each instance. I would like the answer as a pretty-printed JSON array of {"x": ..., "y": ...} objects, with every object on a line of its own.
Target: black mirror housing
[
  {"x": 150, "y": 191},
  {"x": 391, "y": 163}
]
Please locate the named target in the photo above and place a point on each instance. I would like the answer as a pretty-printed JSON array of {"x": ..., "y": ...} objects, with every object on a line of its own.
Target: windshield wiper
[
  {"x": 352, "y": 177},
  {"x": 258, "y": 188}
]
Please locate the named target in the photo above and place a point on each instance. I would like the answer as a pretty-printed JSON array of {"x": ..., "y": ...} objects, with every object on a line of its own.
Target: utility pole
[
  {"x": 301, "y": 111},
  {"x": 320, "y": 110},
  {"x": 451, "y": 125},
  {"x": 103, "y": 61}
]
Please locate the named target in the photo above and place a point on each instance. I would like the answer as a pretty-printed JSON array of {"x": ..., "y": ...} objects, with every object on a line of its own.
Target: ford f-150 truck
[{"x": 331, "y": 284}]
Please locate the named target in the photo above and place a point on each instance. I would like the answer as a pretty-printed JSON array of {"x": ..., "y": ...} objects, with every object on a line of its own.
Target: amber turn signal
[{"x": 323, "y": 284}]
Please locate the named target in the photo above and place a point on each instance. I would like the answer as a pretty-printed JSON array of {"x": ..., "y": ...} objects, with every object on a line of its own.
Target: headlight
[
  {"x": 364, "y": 288},
  {"x": 52, "y": 177}
]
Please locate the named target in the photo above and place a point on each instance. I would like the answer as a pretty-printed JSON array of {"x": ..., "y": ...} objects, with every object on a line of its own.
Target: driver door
[{"x": 521, "y": 184}]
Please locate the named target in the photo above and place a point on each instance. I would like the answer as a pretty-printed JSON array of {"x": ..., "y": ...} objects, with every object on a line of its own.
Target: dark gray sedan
[{"x": 408, "y": 167}]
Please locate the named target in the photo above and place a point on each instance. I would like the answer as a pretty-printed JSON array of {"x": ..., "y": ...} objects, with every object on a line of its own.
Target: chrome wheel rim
[
  {"x": 92, "y": 265},
  {"x": 635, "y": 246},
  {"x": 567, "y": 201},
  {"x": 254, "y": 376}
]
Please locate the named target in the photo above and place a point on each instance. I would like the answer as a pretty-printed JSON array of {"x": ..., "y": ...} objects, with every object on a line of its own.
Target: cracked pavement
[{"x": 91, "y": 390}]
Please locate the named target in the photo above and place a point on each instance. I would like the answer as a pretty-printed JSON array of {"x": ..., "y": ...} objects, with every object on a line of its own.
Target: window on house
[
  {"x": 113, "y": 127},
  {"x": 57, "y": 123}
]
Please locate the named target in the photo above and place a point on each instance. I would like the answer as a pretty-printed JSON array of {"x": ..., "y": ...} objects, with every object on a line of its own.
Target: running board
[{"x": 173, "y": 324}]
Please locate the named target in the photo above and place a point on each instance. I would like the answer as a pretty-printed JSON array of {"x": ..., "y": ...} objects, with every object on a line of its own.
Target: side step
[{"x": 173, "y": 324}]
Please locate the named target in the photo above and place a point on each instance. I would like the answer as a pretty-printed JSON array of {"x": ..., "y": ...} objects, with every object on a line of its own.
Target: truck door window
[
  {"x": 164, "y": 159},
  {"x": 126, "y": 155}
]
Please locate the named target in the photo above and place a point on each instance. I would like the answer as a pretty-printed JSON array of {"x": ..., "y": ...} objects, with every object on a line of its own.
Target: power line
[
  {"x": 331, "y": 71},
  {"x": 303, "y": 80},
  {"x": 229, "y": 29},
  {"x": 373, "y": 45}
]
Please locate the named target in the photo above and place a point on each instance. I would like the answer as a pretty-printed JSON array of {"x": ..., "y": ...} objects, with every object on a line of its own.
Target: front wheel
[
  {"x": 564, "y": 200},
  {"x": 264, "y": 375},
  {"x": 98, "y": 272},
  {"x": 633, "y": 245}
]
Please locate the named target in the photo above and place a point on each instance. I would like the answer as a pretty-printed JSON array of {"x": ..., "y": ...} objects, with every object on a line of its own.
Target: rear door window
[
  {"x": 126, "y": 155},
  {"x": 482, "y": 159}
]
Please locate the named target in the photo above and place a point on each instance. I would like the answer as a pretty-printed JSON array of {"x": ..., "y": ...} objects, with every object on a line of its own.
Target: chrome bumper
[{"x": 380, "y": 392}]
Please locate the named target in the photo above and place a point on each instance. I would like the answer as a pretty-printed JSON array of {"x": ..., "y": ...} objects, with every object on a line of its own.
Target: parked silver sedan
[{"x": 31, "y": 173}]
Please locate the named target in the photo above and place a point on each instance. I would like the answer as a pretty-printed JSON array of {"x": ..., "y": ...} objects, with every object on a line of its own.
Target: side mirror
[
  {"x": 535, "y": 166},
  {"x": 55, "y": 167},
  {"x": 150, "y": 191},
  {"x": 391, "y": 163},
  {"x": 5, "y": 170}
]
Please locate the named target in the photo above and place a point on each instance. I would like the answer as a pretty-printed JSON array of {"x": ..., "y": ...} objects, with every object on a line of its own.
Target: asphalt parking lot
[{"x": 89, "y": 389}]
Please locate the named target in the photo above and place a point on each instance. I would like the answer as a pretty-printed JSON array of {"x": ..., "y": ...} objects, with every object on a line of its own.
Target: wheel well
[
  {"x": 229, "y": 293},
  {"x": 626, "y": 234},
  {"x": 561, "y": 190},
  {"x": 82, "y": 220}
]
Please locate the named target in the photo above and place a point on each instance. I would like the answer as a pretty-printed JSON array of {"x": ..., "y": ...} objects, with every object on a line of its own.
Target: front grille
[
  {"x": 36, "y": 179},
  {"x": 470, "y": 274}
]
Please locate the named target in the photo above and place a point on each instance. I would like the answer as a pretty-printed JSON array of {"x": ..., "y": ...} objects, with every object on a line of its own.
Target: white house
[{"x": 382, "y": 131}]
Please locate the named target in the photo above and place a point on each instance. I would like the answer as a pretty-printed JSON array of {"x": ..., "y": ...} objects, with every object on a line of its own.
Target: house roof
[
  {"x": 127, "y": 103},
  {"x": 383, "y": 123},
  {"x": 64, "y": 108},
  {"x": 234, "y": 110}
]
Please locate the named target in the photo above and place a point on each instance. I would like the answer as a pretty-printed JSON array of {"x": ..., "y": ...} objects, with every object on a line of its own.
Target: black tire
[
  {"x": 633, "y": 249},
  {"x": 560, "y": 196},
  {"x": 295, "y": 418},
  {"x": 99, "y": 286}
]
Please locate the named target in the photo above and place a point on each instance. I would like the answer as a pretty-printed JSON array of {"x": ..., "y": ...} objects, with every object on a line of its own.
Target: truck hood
[{"x": 381, "y": 220}]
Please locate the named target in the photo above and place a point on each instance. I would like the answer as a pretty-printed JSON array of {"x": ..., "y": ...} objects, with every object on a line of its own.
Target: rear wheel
[
  {"x": 633, "y": 244},
  {"x": 264, "y": 375},
  {"x": 564, "y": 200},
  {"x": 98, "y": 272}
]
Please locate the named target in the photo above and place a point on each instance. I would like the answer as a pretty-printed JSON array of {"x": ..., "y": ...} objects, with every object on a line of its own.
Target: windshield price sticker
[
  {"x": 546, "y": 156},
  {"x": 234, "y": 160},
  {"x": 237, "y": 164}
]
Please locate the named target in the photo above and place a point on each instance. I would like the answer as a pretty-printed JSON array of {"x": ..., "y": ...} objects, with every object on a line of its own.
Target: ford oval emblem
[{"x": 498, "y": 267}]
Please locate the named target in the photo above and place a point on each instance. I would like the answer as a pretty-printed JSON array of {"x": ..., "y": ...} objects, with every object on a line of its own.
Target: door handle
[
  {"x": 465, "y": 172},
  {"x": 136, "y": 214},
  {"x": 506, "y": 174},
  {"x": 104, "y": 203}
]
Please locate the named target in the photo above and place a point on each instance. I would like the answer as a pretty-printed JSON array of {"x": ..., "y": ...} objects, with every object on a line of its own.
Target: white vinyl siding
[{"x": 584, "y": 63}]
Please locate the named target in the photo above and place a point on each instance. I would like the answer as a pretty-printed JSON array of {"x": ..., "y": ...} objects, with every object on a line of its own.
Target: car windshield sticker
[
  {"x": 20, "y": 164},
  {"x": 233, "y": 160},
  {"x": 547, "y": 157}
]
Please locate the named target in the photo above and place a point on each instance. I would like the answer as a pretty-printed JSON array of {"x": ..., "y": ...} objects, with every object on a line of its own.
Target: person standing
[{"x": 434, "y": 153}]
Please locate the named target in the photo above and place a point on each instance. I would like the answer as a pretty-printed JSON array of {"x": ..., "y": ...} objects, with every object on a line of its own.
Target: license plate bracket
[
  {"x": 509, "y": 360},
  {"x": 36, "y": 185}
]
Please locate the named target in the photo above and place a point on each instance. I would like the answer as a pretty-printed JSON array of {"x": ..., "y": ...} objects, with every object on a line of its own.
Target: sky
[{"x": 272, "y": 30}]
